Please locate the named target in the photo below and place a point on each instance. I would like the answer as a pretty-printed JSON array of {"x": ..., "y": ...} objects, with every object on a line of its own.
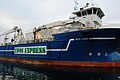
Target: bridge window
[
  {"x": 78, "y": 14},
  {"x": 84, "y": 13},
  {"x": 89, "y": 11},
  {"x": 94, "y": 11},
  {"x": 99, "y": 14}
]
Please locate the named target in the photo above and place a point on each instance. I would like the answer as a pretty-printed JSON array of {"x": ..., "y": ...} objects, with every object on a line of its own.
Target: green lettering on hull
[{"x": 30, "y": 50}]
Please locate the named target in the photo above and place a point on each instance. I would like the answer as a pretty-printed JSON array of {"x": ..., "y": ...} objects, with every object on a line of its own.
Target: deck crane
[{"x": 15, "y": 30}]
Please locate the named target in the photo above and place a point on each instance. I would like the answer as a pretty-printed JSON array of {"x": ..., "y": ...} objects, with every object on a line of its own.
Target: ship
[{"x": 79, "y": 41}]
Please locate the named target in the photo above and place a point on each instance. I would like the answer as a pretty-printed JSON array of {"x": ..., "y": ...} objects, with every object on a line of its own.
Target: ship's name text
[{"x": 31, "y": 50}]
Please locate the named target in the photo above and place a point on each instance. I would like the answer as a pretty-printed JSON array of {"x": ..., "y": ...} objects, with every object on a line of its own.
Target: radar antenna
[{"x": 76, "y": 5}]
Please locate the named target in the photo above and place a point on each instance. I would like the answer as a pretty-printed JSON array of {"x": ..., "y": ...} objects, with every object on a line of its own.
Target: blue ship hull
[{"x": 85, "y": 46}]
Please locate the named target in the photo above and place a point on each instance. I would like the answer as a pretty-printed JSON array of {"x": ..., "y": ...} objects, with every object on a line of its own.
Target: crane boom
[
  {"x": 13, "y": 30},
  {"x": 10, "y": 31}
]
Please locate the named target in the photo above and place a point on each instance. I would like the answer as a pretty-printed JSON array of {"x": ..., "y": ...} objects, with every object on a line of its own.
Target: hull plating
[{"x": 95, "y": 48}]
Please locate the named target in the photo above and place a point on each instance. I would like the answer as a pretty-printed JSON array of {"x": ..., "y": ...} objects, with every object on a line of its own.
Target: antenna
[
  {"x": 91, "y": 1},
  {"x": 76, "y": 5}
]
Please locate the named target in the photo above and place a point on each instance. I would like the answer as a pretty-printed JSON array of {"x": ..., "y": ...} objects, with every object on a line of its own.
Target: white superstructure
[
  {"x": 17, "y": 39},
  {"x": 87, "y": 17}
]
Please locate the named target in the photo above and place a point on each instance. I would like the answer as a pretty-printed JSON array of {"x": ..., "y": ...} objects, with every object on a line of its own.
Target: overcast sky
[{"x": 28, "y": 14}]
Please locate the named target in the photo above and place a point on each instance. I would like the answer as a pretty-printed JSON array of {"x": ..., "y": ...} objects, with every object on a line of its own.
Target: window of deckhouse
[
  {"x": 89, "y": 11},
  {"x": 78, "y": 14},
  {"x": 94, "y": 11}
]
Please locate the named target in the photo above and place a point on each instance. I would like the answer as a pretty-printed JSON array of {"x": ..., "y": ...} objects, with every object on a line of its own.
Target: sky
[{"x": 28, "y": 14}]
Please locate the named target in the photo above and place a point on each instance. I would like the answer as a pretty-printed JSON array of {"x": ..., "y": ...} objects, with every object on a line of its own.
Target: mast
[
  {"x": 91, "y": 1},
  {"x": 76, "y": 5}
]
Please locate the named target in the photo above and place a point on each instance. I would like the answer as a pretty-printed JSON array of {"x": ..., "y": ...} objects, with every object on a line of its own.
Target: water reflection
[
  {"x": 19, "y": 72},
  {"x": 12, "y": 71}
]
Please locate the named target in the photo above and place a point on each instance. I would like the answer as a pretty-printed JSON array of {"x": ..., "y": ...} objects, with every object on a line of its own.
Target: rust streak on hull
[{"x": 62, "y": 63}]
